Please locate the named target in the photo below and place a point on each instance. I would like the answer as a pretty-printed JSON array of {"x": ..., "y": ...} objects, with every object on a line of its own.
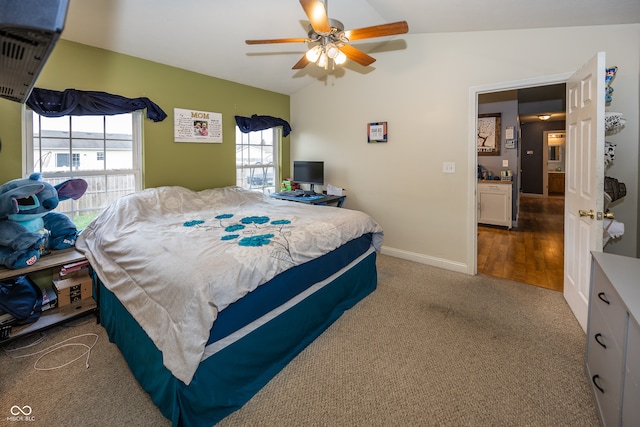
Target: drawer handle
[
  {"x": 602, "y": 297},
  {"x": 597, "y": 337},
  {"x": 594, "y": 378}
]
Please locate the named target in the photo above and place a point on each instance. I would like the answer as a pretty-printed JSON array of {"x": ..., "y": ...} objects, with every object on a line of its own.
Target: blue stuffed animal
[{"x": 28, "y": 227}]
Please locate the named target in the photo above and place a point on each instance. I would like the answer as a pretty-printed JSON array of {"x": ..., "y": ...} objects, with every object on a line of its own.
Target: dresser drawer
[
  {"x": 605, "y": 369},
  {"x": 607, "y": 310},
  {"x": 631, "y": 401},
  {"x": 495, "y": 188},
  {"x": 605, "y": 332}
]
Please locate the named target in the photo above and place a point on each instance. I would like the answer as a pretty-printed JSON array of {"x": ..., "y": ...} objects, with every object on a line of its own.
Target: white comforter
[{"x": 175, "y": 257}]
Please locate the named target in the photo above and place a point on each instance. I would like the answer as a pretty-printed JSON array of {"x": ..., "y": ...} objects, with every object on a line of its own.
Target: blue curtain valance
[
  {"x": 72, "y": 102},
  {"x": 256, "y": 122}
]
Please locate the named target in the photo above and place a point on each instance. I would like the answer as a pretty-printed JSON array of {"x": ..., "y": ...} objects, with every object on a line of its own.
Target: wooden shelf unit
[
  {"x": 54, "y": 259},
  {"x": 57, "y": 315}
]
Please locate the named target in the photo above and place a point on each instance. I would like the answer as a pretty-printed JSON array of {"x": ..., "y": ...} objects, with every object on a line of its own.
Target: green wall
[{"x": 192, "y": 165}]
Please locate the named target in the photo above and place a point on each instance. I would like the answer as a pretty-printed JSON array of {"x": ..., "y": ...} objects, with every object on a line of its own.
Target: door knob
[
  {"x": 588, "y": 213},
  {"x": 608, "y": 215}
]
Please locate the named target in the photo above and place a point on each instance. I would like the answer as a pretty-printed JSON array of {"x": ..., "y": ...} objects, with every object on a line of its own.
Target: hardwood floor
[{"x": 532, "y": 252}]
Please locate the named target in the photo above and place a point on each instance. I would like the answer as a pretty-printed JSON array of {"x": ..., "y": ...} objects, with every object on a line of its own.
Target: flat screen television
[{"x": 308, "y": 172}]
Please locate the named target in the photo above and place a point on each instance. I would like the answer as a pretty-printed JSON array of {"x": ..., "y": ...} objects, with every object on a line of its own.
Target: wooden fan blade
[
  {"x": 317, "y": 15},
  {"x": 302, "y": 63},
  {"x": 268, "y": 41},
  {"x": 394, "y": 28},
  {"x": 357, "y": 55}
]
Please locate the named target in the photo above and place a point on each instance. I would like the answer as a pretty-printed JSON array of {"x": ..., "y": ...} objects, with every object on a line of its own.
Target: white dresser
[
  {"x": 613, "y": 338},
  {"x": 494, "y": 203}
]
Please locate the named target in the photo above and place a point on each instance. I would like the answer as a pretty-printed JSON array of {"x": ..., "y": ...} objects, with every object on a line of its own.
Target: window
[
  {"x": 102, "y": 150},
  {"x": 257, "y": 159},
  {"x": 62, "y": 160}
]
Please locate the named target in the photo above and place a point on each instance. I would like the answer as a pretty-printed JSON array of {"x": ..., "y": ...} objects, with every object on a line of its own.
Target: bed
[{"x": 209, "y": 294}]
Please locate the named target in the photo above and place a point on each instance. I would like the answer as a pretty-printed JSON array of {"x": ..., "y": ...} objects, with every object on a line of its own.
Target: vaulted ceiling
[{"x": 208, "y": 36}]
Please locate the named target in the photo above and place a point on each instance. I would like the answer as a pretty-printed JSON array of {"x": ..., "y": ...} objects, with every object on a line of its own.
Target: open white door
[{"x": 584, "y": 187}]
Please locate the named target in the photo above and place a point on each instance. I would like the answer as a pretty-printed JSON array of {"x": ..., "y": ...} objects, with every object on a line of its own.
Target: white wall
[{"x": 423, "y": 92}]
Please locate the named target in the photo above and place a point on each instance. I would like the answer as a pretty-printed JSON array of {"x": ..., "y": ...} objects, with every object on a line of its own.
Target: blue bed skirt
[{"x": 227, "y": 379}]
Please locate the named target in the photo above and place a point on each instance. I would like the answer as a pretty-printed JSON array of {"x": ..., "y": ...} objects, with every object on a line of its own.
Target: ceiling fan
[{"x": 331, "y": 40}]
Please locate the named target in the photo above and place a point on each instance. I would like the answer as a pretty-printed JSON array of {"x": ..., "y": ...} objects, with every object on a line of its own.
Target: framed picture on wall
[
  {"x": 489, "y": 134},
  {"x": 197, "y": 126},
  {"x": 377, "y": 132}
]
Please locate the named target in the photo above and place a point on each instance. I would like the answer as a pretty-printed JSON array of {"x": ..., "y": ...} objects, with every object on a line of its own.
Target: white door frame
[
  {"x": 472, "y": 220},
  {"x": 545, "y": 163}
]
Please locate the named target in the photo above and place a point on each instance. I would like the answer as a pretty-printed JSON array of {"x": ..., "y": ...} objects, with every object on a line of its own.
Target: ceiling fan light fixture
[
  {"x": 332, "y": 50},
  {"x": 332, "y": 39},
  {"x": 323, "y": 61},
  {"x": 314, "y": 53}
]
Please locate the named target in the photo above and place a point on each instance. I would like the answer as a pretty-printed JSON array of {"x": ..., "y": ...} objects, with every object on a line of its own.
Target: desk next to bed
[{"x": 314, "y": 199}]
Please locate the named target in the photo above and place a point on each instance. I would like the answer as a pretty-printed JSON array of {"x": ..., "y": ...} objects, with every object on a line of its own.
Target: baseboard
[{"x": 424, "y": 259}]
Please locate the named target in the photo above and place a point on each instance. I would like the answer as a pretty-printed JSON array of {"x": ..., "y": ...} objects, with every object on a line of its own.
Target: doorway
[
  {"x": 532, "y": 252},
  {"x": 554, "y": 147}
]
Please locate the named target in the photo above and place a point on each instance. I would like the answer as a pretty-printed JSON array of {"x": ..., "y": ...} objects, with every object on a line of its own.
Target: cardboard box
[{"x": 73, "y": 289}]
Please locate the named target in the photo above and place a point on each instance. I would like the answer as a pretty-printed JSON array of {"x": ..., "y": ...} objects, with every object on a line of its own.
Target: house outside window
[
  {"x": 257, "y": 159},
  {"x": 105, "y": 151}
]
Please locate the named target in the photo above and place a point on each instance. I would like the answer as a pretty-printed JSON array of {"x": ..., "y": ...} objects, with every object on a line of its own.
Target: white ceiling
[{"x": 207, "y": 36}]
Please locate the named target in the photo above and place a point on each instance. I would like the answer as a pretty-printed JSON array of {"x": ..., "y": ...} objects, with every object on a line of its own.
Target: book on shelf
[
  {"x": 74, "y": 266},
  {"x": 49, "y": 298},
  {"x": 78, "y": 269}
]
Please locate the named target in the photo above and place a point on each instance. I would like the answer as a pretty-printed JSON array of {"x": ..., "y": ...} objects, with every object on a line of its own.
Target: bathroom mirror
[{"x": 555, "y": 153}]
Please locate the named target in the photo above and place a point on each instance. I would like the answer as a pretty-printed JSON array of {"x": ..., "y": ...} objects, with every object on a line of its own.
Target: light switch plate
[{"x": 448, "y": 167}]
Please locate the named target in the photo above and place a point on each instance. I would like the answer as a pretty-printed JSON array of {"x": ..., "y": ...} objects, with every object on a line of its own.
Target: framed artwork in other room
[{"x": 489, "y": 134}]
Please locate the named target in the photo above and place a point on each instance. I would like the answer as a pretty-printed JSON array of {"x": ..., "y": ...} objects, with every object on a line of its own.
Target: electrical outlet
[
  {"x": 505, "y": 163},
  {"x": 448, "y": 167}
]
